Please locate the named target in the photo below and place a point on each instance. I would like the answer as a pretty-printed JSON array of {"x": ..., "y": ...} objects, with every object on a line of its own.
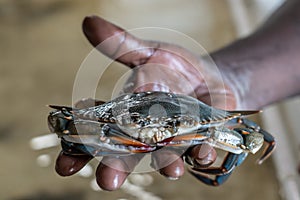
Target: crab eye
[{"x": 254, "y": 142}]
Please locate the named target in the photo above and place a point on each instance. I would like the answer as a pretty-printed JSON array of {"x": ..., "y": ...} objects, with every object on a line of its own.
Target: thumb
[{"x": 116, "y": 43}]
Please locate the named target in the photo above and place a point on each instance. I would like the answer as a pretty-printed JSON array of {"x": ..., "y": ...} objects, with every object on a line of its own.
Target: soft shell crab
[{"x": 147, "y": 121}]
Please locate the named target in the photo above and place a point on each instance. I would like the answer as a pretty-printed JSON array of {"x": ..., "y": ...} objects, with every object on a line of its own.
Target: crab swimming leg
[
  {"x": 268, "y": 138},
  {"x": 221, "y": 173}
]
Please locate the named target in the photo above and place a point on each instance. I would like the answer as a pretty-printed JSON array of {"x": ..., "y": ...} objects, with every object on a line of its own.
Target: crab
[{"x": 148, "y": 121}]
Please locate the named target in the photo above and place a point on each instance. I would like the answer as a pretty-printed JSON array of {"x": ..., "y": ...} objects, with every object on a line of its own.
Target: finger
[
  {"x": 168, "y": 163},
  {"x": 204, "y": 155},
  {"x": 112, "y": 172},
  {"x": 67, "y": 165},
  {"x": 217, "y": 96},
  {"x": 116, "y": 43},
  {"x": 89, "y": 102}
]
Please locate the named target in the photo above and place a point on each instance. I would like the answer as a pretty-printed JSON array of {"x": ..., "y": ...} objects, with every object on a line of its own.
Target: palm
[
  {"x": 160, "y": 66},
  {"x": 174, "y": 69}
]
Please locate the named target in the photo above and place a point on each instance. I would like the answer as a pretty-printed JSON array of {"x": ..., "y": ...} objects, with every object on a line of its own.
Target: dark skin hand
[
  {"x": 112, "y": 172},
  {"x": 272, "y": 50}
]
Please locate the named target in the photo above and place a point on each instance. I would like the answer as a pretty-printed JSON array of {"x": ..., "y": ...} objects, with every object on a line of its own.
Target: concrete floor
[{"x": 42, "y": 47}]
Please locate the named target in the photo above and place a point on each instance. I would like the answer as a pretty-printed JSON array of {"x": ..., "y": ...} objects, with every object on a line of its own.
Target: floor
[{"x": 42, "y": 48}]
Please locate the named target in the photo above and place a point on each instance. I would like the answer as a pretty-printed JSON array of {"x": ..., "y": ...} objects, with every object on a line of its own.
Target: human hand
[{"x": 180, "y": 71}]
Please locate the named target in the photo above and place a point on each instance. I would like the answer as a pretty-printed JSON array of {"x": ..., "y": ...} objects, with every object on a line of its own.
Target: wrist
[
  {"x": 239, "y": 72},
  {"x": 264, "y": 67}
]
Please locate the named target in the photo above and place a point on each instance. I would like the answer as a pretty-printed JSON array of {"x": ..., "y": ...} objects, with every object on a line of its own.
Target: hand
[{"x": 180, "y": 71}]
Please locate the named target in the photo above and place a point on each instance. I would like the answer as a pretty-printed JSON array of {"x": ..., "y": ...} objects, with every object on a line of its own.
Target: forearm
[{"x": 265, "y": 67}]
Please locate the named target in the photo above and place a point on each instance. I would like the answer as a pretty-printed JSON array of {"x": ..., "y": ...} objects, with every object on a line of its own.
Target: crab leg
[
  {"x": 218, "y": 180},
  {"x": 185, "y": 139},
  {"x": 88, "y": 149},
  {"x": 122, "y": 140},
  {"x": 222, "y": 173},
  {"x": 111, "y": 146},
  {"x": 269, "y": 149},
  {"x": 110, "y": 141}
]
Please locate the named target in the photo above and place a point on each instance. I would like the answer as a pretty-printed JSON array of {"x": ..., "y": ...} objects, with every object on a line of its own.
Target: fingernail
[
  {"x": 173, "y": 171},
  {"x": 169, "y": 164},
  {"x": 90, "y": 26},
  {"x": 64, "y": 165},
  {"x": 111, "y": 177},
  {"x": 69, "y": 165},
  {"x": 203, "y": 151},
  {"x": 204, "y": 162},
  {"x": 206, "y": 155},
  {"x": 87, "y": 24}
]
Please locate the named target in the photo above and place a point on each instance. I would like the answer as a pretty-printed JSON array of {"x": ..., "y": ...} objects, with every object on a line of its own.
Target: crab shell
[
  {"x": 154, "y": 116},
  {"x": 151, "y": 118}
]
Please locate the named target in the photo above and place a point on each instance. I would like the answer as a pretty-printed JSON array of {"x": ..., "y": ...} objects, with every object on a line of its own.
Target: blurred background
[{"x": 42, "y": 48}]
